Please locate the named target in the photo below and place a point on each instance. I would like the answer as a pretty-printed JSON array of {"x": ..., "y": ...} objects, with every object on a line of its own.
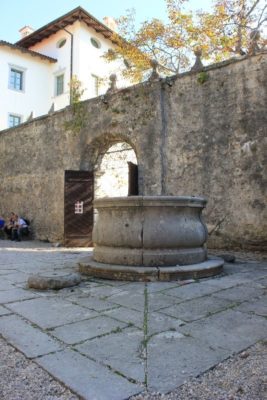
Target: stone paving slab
[
  {"x": 121, "y": 351},
  {"x": 51, "y": 312},
  {"x": 87, "y": 378},
  {"x": 103, "y": 291},
  {"x": 92, "y": 303},
  {"x": 127, "y": 315},
  {"x": 83, "y": 330},
  {"x": 180, "y": 358},
  {"x": 4, "y": 311},
  {"x": 9, "y": 271},
  {"x": 194, "y": 309},
  {"x": 116, "y": 333},
  {"x": 228, "y": 281},
  {"x": 132, "y": 300},
  {"x": 258, "y": 307},
  {"x": 161, "y": 286},
  {"x": 5, "y": 285},
  {"x": 18, "y": 277},
  {"x": 239, "y": 293},
  {"x": 158, "y": 300},
  {"x": 15, "y": 294},
  {"x": 158, "y": 322},
  {"x": 262, "y": 281},
  {"x": 191, "y": 291},
  {"x": 231, "y": 330},
  {"x": 28, "y": 339}
]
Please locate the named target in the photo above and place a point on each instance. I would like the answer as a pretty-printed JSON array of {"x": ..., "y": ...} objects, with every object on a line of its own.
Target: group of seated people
[{"x": 15, "y": 227}]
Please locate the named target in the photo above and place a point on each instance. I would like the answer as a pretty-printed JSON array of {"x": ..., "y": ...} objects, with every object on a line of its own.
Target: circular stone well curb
[
  {"x": 211, "y": 267},
  {"x": 54, "y": 280}
]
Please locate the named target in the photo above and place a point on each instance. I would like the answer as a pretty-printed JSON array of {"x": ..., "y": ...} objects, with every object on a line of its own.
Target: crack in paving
[{"x": 145, "y": 333}]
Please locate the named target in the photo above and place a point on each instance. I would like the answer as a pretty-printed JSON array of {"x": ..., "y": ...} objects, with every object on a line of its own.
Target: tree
[
  {"x": 225, "y": 31},
  {"x": 76, "y": 90},
  {"x": 232, "y": 26}
]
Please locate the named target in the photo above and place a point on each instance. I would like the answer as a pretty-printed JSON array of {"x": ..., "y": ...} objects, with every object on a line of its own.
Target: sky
[{"x": 18, "y": 13}]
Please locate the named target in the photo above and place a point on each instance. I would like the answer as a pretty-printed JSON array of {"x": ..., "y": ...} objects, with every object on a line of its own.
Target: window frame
[
  {"x": 21, "y": 71},
  {"x": 95, "y": 43},
  {"x": 14, "y": 115},
  {"x": 57, "y": 76},
  {"x": 96, "y": 83},
  {"x": 61, "y": 43}
]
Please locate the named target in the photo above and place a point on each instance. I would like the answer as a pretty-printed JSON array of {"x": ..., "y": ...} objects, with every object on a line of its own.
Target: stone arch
[
  {"x": 94, "y": 152},
  {"x": 112, "y": 171}
]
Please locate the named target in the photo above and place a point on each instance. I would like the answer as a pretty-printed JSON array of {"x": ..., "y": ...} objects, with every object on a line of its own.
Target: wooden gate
[{"x": 78, "y": 209}]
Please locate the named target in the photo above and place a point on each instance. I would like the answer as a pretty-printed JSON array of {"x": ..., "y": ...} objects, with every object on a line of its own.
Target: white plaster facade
[
  {"x": 35, "y": 95},
  {"x": 38, "y": 93}
]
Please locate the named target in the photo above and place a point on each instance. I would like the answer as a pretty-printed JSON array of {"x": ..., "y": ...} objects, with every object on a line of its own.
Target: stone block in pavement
[
  {"x": 15, "y": 294},
  {"x": 9, "y": 271},
  {"x": 158, "y": 300},
  {"x": 197, "y": 308},
  {"x": 28, "y": 339},
  {"x": 103, "y": 291},
  {"x": 197, "y": 289},
  {"x": 262, "y": 281},
  {"x": 135, "y": 301},
  {"x": 160, "y": 286},
  {"x": 51, "y": 312},
  {"x": 258, "y": 307},
  {"x": 4, "y": 311},
  {"x": 83, "y": 330},
  {"x": 126, "y": 315},
  {"x": 173, "y": 358},
  {"x": 18, "y": 277},
  {"x": 240, "y": 293},
  {"x": 121, "y": 351},
  {"x": 87, "y": 378},
  {"x": 5, "y": 285},
  {"x": 230, "y": 329},
  {"x": 229, "y": 281},
  {"x": 157, "y": 322},
  {"x": 92, "y": 303}
]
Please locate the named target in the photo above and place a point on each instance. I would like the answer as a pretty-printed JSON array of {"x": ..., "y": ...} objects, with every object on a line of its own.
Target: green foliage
[
  {"x": 202, "y": 77},
  {"x": 219, "y": 33},
  {"x": 76, "y": 92}
]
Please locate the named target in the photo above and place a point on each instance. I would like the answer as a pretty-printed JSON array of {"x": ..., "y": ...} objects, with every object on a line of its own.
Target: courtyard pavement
[{"x": 111, "y": 340}]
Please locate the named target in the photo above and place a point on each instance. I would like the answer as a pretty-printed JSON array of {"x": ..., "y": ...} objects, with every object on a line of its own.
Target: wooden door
[
  {"x": 78, "y": 209},
  {"x": 133, "y": 179}
]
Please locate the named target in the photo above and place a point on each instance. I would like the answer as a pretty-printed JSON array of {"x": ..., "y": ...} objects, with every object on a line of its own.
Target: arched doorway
[
  {"x": 116, "y": 174},
  {"x": 108, "y": 170}
]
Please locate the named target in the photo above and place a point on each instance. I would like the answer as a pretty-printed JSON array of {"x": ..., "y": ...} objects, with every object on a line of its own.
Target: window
[
  {"x": 61, "y": 43},
  {"x": 16, "y": 79},
  {"x": 59, "y": 84},
  {"x": 96, "y": 84},
  {"x": 13, "y": 120},
  {"x": 95, "y": 43}
]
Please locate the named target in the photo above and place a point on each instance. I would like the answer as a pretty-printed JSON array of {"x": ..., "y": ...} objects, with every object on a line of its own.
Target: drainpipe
[{"x": 71, "y": 60}]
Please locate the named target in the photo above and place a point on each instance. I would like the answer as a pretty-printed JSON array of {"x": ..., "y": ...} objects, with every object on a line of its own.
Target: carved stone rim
[{"x": 151, "y": 201}]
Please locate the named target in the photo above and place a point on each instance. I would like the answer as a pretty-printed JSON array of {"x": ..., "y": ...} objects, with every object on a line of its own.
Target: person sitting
[
  {"x": 20, "y": 228},
  {"x": 2, "y": 224},
  {"x": 9, "y": 225}
]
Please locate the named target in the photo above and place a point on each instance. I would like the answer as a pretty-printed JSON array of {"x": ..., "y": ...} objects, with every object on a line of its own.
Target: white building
[{"x": 35, "y": 72}]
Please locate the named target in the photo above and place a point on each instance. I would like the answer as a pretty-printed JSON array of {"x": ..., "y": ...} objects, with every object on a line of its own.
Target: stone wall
[{"x": 191, "y": 136}]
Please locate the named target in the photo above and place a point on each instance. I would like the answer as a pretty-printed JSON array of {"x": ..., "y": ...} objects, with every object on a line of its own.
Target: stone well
[{"x": 150, "y": 238}]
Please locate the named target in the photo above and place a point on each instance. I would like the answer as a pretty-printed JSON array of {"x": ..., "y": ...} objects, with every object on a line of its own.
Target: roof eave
[
  {"x": 60, "y": 23},
  {"x": 26, "y": 51}
]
